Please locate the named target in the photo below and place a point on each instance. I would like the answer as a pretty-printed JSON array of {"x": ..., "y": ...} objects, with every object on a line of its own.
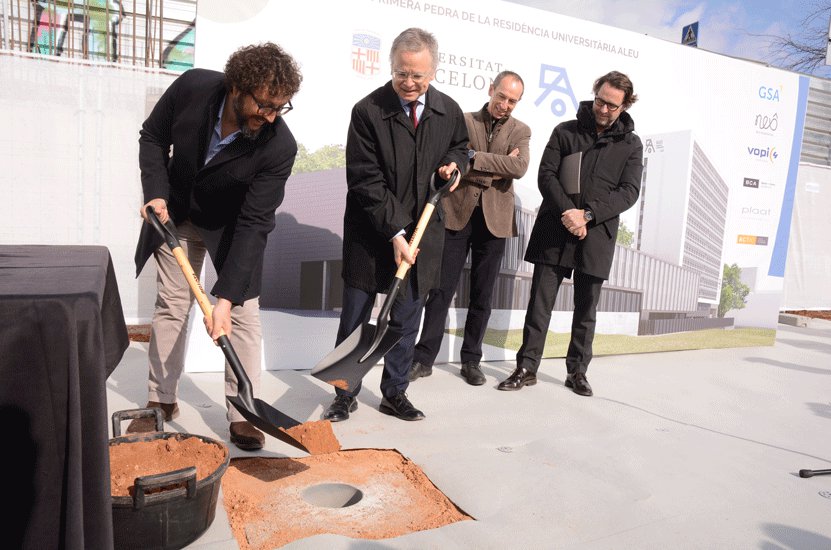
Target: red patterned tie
[{"x": 413, "y": 114}]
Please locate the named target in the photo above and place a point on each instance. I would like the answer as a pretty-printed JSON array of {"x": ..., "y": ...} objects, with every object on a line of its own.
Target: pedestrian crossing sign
[{"x": 689, "y": 36}]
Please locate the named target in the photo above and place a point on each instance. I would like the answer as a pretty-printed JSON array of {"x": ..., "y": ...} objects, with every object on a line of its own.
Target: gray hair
[{"x": 415, "y": 40}]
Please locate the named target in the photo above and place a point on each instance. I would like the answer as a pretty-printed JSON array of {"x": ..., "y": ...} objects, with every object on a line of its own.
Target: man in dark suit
[
  {"x": 478, "y": 217},
  {"x": 214, "y": 155},
  {"x": 575, "y": 233},
  {"x": 399, "y": 136}
]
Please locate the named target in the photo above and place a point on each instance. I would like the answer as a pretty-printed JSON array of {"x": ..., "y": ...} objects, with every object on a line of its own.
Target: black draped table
[{"x": 62, "y": 333}]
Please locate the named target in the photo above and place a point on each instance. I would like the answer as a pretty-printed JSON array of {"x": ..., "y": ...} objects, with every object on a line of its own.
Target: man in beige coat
[{"x": 479, "y": 217}]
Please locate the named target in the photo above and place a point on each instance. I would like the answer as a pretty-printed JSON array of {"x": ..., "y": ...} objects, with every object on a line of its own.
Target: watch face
[{"x": 470, "y": 154}]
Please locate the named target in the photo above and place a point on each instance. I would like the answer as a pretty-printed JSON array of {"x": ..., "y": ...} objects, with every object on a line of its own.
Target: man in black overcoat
[
  {"x": 574, "y": 234},
  {"x": 399, "y": 136}
]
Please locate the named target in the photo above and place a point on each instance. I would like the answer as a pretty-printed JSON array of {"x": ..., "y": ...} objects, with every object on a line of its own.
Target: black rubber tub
[{"x": 168, "y": 510}]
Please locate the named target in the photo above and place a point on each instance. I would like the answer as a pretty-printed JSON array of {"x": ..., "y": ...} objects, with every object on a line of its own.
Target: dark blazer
[
  {"x": 388, "y": 169},
  {"x": 610, "y": 182},
  {"x": 491, "y": 175},
  {"x": 232, "y": 199}
]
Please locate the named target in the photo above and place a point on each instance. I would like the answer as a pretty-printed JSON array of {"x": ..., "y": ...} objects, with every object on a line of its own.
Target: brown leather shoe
[
  {"x": 148, "y": 424},
  {"x": 519, "y": 378},
  {"x": 245, "y": 436}
]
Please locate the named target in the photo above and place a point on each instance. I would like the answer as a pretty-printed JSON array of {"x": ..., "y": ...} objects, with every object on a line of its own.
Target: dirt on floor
[
  {"x": 822, "y": 314},
  {"x": 138, "y": 333},
  {"x": 362, "y": 494}
]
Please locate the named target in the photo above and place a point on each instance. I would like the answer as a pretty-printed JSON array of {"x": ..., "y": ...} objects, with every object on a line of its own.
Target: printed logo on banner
[
  {"x": 755, "y": 212},
  {"x": 766, "y": 124},
  {"x": 768, "y": 93},
  {"x": 763, "y": 153},
  {"x": 756, "y": 183},
  {"x": 555, "y": 79},
  {"x": 653, "y": 146},
  {"x": 366, "y": 54},
  {"x": 753, "y": 240}
]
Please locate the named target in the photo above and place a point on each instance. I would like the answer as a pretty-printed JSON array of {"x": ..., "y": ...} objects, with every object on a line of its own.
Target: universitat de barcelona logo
[{"x": 366, "y": 54}]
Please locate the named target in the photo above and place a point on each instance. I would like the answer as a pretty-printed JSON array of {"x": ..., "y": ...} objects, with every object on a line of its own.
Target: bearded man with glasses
[
  {"x": 574, "y": 234},
  {"x": 215, "y": 154}
]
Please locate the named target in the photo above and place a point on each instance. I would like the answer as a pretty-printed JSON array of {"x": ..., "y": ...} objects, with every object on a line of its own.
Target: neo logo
[
  {"x": 766, "y": 153},
  {"x": 555, "y": 80},
  {"x": 769, "y": 94},
  {"x": 765, "y": 122}
]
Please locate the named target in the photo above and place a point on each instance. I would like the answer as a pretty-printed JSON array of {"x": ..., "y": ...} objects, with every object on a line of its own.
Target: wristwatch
[
  {"x": 588, "y": 215},
  {"x": 471, "y": 154}
]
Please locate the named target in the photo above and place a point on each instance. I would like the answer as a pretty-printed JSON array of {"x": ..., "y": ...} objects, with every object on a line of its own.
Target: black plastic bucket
[{"x": 171, "y": 518}]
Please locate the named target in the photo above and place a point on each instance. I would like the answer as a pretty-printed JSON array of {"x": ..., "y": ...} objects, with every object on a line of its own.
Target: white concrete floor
[{"x": 682, "y": 450}]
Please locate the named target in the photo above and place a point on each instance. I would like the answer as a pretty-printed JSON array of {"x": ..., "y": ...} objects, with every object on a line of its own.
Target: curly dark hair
[
  {"x": 252, "y": 67},
  {"x": 620, "y": 81}
]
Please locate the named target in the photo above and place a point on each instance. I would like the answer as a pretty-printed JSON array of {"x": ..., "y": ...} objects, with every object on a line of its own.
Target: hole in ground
[{"x": 332, "y": 495}]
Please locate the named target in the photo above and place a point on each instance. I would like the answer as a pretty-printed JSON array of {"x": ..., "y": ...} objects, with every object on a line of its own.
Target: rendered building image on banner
[{"x": 702, "y": 250}]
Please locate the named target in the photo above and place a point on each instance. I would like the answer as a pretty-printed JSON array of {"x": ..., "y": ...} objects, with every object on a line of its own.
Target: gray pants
[{"x": 170, "y": 326}]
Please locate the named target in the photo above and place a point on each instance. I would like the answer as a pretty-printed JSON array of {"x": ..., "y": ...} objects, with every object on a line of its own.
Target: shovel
[
  {"x": 346, "y": 365},
  {"x": 259, "y": 413}
]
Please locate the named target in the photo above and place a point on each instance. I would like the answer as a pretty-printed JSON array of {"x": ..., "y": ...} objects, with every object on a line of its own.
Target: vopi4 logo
[
  {"x": 762, "y": 153},
  {"x": 769, "y": 94}
]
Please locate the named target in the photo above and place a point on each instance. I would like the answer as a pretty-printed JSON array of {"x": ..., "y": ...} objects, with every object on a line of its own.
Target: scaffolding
[{"x": 146, "y": 33}]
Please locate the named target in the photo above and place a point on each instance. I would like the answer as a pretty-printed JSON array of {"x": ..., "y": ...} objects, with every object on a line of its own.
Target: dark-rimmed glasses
[
  {"x": 602, "y": 103},
  {"x": 267, "y": 110}
]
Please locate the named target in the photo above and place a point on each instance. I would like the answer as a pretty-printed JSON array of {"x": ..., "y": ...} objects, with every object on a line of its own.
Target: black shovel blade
[
  {"x": 268, "y": 419},
  {"x": 345, "y": 366}
]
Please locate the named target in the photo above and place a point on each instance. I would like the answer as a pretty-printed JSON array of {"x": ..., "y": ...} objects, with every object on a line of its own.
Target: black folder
[{"x": 570, "y": 173}]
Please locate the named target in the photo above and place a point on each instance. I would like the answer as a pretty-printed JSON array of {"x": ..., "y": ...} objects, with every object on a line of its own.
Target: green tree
[
  {"x": 733, "y": 290},
  {"x": 325, "y": 158},
  {"x": 625, "y": 237}
]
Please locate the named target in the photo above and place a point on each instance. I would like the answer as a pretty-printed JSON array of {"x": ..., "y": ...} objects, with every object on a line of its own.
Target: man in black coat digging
[{"x": 399, "y": 136}]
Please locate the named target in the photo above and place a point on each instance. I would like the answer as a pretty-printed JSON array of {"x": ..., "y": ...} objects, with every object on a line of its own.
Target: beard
[{"x": 242, "y": 121}]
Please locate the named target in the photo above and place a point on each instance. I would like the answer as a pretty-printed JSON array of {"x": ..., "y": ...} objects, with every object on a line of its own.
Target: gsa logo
[
  {"x": 763, "y": 153},
  {"x": 555, "y": 80},
  {"x": 769, "y": 94}
]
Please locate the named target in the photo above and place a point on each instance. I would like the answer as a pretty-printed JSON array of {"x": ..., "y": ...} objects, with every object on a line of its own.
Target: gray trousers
[{"x": 170, "y": 326}]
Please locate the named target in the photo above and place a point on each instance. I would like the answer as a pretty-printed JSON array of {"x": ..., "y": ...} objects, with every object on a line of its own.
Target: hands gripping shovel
[
  {"x": 260, "y": 414},
  {"x": 346, "y": 365}
]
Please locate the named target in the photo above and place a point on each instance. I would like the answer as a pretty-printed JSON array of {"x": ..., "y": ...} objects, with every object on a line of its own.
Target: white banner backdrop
[{"x": 740, "y": 123}]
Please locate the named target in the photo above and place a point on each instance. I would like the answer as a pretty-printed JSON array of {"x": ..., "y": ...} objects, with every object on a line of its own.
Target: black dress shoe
[
  {"x": 340, "y": 408},
  {"x": 398, "y": 405},
  {"x": 579, "y": 384},
  {"x": 472, "y": 373},
  {"x": 519, "y": 378},
  {"x": 419, "y": 370}
]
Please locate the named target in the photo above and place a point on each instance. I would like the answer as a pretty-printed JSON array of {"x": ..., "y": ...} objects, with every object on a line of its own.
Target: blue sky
[{"x": 725, "y": 26}]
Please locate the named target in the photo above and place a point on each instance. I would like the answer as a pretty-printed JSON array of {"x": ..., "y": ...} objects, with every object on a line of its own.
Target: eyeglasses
[
  {"x": 601, "y": 103},
  {"x": 267, "y": 110},
  {"x": 418, "y": 78}
]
